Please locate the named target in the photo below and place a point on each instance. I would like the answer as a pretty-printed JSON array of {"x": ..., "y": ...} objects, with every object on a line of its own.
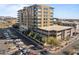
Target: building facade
[
  {"x": 36, "y": 16},
  {"x": 57, "y": 31}
]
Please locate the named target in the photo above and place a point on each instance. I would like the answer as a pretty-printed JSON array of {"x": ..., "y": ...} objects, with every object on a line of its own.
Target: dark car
[
  {"x": 34, "y": 48},
  {"x": 77, "y": 53},
  {"x": 14, "y": 37},
  {"x": 44, "y": 52},
  {"x": 65, "y": 52}
]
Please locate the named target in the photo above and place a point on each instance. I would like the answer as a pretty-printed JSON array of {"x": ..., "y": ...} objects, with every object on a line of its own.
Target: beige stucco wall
[{"x": 65, "y": 34}]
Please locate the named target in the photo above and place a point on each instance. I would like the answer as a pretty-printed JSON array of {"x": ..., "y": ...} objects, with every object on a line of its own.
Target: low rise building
[
  {"x": 57, "y": 31},
  {"x": 74, "y": 24}
]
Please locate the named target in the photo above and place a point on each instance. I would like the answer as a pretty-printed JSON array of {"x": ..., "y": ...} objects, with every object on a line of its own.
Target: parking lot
[{"x": 7, "y": 42}]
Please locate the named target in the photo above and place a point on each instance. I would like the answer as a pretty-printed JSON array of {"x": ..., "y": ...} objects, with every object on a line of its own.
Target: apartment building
[
  {"x": 36, "y": 16},
  {"x": 39, "y": 18}
]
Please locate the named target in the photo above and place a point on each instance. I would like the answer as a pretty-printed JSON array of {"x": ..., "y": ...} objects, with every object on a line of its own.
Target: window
[
  {"x": 39, "y": 8},
  {"x": 34, "y": 8},
  {"x": 45, "y": 8},
  {"x": 45, "y": 12},
  {"x": 51, "y": 16},
  {"x": 51, "y": 13},
  {"x": 45, "y": 15},
  {"x": 39, "y": 11},
  {"x": 51, "y": 8},
  {"x": 39, "y": 22},
  {"x": 39, "y": 15},
  {"x": 45, "y": 25},
  {"x": 45, "y": 19},
  {"x": 39, "y": 25},
  {"x": 35, "y": 25},
  {"x": 39, "y": 18}
]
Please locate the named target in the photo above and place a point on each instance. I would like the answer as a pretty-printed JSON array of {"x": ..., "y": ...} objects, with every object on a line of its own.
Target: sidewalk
[{"x": 59, "y": 49}]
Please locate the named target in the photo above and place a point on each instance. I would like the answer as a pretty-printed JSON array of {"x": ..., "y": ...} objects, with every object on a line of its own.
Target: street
[
  {"x": 74, "y": 41},
  {"x": 26, "y": 39}
]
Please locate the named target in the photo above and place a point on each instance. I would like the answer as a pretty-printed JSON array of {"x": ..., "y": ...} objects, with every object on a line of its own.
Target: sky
[{"x": 60, "y": 10}]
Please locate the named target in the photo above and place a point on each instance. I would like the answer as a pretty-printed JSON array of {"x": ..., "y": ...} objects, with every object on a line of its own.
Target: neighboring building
[
  {"x": 7, "y": 22},
  {"x": 74, "y": 23},
  {"x": 71, "y": 20},
  {"x": 36, "y": 16},
  {"x": 12, "y": 21}
]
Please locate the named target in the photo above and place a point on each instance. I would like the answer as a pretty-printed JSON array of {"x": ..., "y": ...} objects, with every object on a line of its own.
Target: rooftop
[{"x": 55, "y": 28}]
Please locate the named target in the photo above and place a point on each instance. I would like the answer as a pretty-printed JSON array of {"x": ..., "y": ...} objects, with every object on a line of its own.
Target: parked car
[
  {"x": 44, "y": 52},
  {"x": 14, "y": 37},
  {"x": 66, "y": 52}
]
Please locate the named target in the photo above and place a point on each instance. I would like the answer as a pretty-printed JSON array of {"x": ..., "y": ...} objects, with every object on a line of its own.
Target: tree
[
  {"x": 44, "y": 39},
  {"x": 30, "y": 34},
  {"x": 27, "y": 32},
  {"x": 16, "y": 26},
  {"x": 35, "y": 35},
  {"x": 51, "y": 41},
  {"x": 38, "y": 37},
  {"x": 59, "y": 23}
]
